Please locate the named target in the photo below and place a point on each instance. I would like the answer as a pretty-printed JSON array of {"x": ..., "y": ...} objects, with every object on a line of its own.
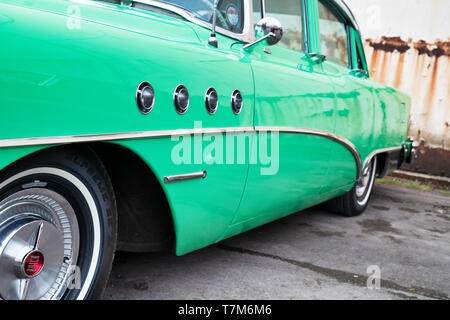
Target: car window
[
  {"x": 230, "y": 14},
  {"x": 289, "y": 13},
  {"x": 333, "y": 36},
  {"x": 257, "y": 14}
]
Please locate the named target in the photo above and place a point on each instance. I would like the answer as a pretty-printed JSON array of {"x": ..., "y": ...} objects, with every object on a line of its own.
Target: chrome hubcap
[
  {"x": 363, "y": 183},
  {"x": 39, "y": 241}
]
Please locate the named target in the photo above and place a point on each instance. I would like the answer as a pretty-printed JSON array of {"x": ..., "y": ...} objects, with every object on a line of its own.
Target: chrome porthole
[
  {"x": 145, "y": 97},
  {"x": 181, "y": 99},
  {"x": 236, "y": 102},
  {"x": 39, "y": 243},
  {"x": 211, "y": 100}
]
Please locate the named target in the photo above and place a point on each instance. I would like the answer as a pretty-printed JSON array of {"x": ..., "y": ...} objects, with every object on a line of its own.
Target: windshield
[{"x": 230, "y": 12}]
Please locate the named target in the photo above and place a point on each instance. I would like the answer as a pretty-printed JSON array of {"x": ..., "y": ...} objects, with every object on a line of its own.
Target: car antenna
[{"x": 213, "y": 39}]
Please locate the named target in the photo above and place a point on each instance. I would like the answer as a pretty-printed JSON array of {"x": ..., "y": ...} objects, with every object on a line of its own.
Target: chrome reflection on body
[
  {"x": 184, "y": 177},
  {"x": 42, "y": 223}
]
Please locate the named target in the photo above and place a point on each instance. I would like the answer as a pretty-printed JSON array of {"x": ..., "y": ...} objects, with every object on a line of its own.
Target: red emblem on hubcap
[{"x": 33, "y": 263}]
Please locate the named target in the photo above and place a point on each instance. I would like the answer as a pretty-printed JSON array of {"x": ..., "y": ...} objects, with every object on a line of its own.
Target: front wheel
[
  {"x": 58, "y": 226},
  {"x": 355, "y": 202}
]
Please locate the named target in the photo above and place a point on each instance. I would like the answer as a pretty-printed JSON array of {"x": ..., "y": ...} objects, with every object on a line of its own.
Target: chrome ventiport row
[{"x": 145, "y": 99}]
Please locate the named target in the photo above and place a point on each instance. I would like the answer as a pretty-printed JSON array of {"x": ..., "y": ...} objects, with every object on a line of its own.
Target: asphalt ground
[{"x": 403, "y": 239}]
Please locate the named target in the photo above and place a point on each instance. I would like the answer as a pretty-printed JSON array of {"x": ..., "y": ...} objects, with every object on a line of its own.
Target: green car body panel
[{"x": 57, "y": 81}]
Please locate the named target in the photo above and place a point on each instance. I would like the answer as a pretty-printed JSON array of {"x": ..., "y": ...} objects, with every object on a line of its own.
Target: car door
[
  {"x": 292, "y": 95},
  {"x": 354, "y": 97}
]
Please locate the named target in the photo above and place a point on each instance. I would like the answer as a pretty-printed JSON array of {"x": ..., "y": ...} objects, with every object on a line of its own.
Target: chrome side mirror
[{"x": 268, "y": 29}]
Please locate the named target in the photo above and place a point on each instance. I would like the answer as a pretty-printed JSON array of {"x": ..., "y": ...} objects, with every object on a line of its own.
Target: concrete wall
[{"x": 407, "y": 47}]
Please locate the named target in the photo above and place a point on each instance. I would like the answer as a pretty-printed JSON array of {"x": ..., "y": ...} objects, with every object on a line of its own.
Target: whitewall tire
[{"x": 58, "y": 226}]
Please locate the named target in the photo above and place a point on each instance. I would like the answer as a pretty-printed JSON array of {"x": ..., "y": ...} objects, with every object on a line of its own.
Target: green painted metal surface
[{"x": 61, "y": 81}]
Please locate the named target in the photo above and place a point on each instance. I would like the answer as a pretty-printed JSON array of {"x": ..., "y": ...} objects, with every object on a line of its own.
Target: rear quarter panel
[{"x": 392, "y": 112}]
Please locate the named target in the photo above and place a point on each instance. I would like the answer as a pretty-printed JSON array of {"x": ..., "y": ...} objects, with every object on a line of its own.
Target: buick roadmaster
[{"x": 174, "y": 124}]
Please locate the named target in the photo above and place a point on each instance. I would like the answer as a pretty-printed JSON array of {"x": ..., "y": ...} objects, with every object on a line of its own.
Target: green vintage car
[{"x": 153, "y": 125}]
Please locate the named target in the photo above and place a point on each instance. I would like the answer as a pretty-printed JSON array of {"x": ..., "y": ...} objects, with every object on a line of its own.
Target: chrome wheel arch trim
[
  {"x": 47, "y": 141},
  {"x": 378, "y": 152}
]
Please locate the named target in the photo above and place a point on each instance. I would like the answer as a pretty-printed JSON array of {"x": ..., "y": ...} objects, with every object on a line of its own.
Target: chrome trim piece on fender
[{"x": 184, "y": 177}]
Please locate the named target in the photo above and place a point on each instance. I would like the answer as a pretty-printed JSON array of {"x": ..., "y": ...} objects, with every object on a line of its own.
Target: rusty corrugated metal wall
[{"x": 407, "y": 47}]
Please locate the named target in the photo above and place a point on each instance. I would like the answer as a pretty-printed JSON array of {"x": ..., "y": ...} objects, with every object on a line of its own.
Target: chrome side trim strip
[
  {"x": 377, "y": 152},
  {"x": 328, "y": 135},
  {"x": 184, "y": 132},
  {"x": 41, "y": 141},
  {"x": 184, "y": 177}
]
